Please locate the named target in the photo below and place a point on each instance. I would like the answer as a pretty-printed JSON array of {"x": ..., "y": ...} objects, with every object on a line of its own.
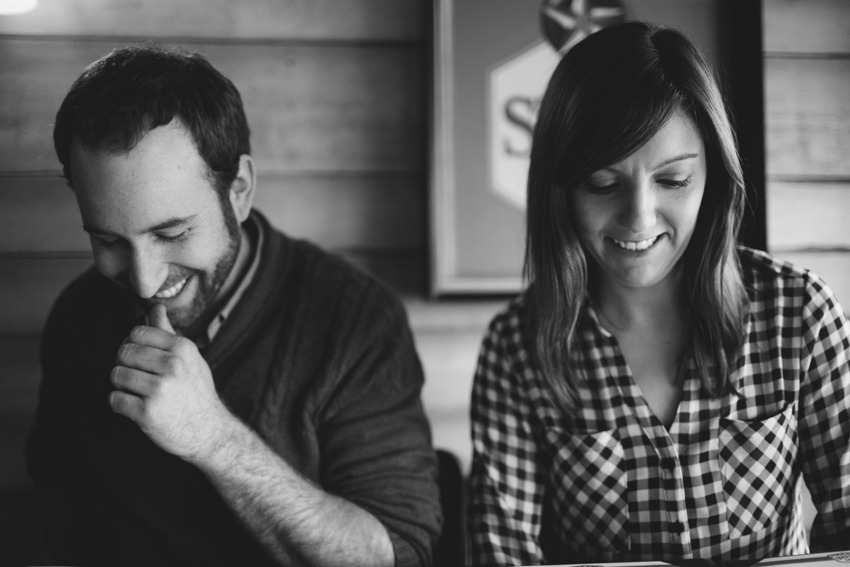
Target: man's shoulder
[{"x": 328, "y": 278}]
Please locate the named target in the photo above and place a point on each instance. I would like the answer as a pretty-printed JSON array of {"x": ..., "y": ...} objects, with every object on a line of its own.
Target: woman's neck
[{"x": 626, "y": 308}]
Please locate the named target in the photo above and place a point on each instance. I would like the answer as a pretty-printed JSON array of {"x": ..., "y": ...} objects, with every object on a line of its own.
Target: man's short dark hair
[{"x": 120, "y": 97}]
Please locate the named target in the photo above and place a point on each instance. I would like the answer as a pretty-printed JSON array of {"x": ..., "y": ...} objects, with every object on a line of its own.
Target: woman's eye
[
  {"x": 601, "y": 187},
  {"x": 675, "y": 183}
]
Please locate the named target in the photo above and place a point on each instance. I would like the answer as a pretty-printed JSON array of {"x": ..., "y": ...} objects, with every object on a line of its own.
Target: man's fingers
[
  {"x": 146, "y": 358},
  {"x": 135, "y": 381},
  {"x": 159, "y": 318},
  {"x": 127, "y": 405},
  {"x": 152, "y": 337}
]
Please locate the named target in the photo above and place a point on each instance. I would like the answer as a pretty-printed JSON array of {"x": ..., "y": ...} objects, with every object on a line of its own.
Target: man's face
[{"x": 156, "y": 224}]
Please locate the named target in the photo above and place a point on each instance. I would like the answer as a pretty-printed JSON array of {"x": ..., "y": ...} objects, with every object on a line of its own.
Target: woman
[{"x": 657, "y": 393}]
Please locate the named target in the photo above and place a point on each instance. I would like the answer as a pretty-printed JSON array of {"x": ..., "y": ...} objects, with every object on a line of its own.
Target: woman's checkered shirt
[{"x": 608, "y": 482}]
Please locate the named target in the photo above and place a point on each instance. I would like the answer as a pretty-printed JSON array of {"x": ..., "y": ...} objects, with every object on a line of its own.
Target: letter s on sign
[{"x": 521, "y": 112}]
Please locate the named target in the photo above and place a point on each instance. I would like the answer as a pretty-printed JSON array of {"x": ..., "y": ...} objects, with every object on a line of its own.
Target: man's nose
[
  {"x": 148, "y": 271},
  {"x": 638, "y": 208}
]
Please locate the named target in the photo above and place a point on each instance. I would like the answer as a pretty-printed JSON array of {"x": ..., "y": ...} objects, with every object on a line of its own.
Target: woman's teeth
[
  {"x": 172, "y": 291},
  {"x": 636, "y": 246}
]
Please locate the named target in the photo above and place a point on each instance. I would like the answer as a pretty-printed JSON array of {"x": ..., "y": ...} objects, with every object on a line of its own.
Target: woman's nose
[{"x": 638, "y": 209}]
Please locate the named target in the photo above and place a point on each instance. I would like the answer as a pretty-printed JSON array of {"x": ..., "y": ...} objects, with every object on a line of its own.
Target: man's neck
[{"x": 240, "y": 267}]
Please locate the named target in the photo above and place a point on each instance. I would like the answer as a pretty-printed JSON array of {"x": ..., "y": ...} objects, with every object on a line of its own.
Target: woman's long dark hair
[{"x": 608, "y": 96}]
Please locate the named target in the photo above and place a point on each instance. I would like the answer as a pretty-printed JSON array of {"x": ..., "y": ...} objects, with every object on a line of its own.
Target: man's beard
[{"x": 193, "y": 319}]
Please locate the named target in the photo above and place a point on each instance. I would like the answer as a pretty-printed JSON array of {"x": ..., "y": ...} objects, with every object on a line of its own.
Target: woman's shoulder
[
  {"x": 511, "y": 318},
  {"x": 507, "y": 327},
  {"x": 767, "y": 276},
  {"x": 760, "y": 265}
]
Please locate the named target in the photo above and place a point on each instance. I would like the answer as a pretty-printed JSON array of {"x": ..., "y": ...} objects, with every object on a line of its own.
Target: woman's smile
[{"x": 637, "y": 245}]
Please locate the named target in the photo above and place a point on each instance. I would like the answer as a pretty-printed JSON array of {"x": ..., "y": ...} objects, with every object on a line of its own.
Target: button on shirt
[{"x": 608, "y": 482}]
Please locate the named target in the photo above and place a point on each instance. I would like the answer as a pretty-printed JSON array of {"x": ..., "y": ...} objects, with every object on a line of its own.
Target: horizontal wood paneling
[
  {"x": 246, "y": 19},
  {"x": 832, "y": 267},
  {"x": 807, "y": 111},
  {"x": 380, "y": 213},
  {"x": 806, "y": 26},
  {"x": 39, "y": 214},
  {"x": 804, "y": 215},
  {"x": 311, "y": 108}
]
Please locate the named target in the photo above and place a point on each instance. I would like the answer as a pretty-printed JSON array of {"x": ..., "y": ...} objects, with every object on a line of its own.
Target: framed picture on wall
[{"x": 492, "y": 62}]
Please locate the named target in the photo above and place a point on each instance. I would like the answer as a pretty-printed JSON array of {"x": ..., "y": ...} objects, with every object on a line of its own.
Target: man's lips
[{"x": 173, "y": 290}]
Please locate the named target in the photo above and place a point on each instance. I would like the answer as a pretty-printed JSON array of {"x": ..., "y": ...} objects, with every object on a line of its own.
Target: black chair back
[{"x": 450, "y": 550}]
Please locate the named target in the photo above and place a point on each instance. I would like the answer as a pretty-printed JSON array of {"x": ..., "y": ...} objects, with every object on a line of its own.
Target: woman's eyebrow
[{"x": 679, "y": 157}]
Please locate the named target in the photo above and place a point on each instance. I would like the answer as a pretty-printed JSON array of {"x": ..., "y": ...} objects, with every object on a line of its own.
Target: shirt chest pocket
[
  {"x": 590, "y": 485},
  {"x": 757, "y": 465}
]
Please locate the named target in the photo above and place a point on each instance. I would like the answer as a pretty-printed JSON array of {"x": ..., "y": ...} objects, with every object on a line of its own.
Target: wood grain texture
[
  {"x": 806, "y": 26},
  {"x": 311, "y": 108},
  {"x": 369, "y": 20},
  {"x": 807, "y": 215},
  {"x": 378, "y": 213},
  {"x": 807, "y": 110},
  {"x": 39, "y": 214}
]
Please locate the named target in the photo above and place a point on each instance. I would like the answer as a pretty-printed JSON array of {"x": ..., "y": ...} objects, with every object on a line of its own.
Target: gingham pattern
[{"x": 608, "y": 482}]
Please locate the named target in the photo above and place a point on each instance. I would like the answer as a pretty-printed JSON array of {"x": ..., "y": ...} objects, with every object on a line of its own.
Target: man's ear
[{"x": 242, "y": 188}]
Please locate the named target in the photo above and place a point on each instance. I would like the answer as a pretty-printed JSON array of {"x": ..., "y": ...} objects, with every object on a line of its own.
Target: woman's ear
[{"x": 242, "y": 188}]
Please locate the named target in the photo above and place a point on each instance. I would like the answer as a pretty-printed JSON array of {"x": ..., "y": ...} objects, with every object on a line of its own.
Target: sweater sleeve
[
  {"x": 71, "y": 513},
  {"x": 374, "y": 437}
]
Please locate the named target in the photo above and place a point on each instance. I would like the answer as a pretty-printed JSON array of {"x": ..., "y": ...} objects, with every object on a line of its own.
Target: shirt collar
[{"x": 257, "y": 235}]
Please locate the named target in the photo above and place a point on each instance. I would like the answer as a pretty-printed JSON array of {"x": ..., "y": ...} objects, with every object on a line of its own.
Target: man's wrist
[{"x": 221, "y": 451}]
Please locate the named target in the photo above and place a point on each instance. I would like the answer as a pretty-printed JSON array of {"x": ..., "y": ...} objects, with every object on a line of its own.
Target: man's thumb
[{"x": 159, "y": 318}]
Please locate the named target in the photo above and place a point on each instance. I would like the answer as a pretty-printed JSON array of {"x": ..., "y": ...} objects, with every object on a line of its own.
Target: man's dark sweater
[{"x": 317, "y": 358}]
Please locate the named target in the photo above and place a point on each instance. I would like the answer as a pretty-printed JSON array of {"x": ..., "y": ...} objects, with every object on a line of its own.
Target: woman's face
[{"x": 636, "y": 217}]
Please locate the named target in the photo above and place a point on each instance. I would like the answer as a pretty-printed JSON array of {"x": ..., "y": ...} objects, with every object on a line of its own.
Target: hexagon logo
[
  {"x": 516, "y": 86},
  {"x": 515, "y": 89}
]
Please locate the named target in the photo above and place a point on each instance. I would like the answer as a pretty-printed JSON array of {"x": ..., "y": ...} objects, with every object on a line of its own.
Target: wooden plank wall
[
  {"x": 807, "y": 108},
  {"x": 336, "y": 94}
]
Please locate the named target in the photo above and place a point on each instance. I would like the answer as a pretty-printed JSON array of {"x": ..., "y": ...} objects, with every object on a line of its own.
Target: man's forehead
[{"x": 161, "y": 180}]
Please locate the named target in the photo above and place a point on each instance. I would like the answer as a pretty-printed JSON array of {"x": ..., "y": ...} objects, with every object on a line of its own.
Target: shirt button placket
[{"x": 677, "y": 513}]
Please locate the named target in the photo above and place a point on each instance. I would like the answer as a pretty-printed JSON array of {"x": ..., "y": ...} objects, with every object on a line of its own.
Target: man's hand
[{"x": 166, "y": 387}]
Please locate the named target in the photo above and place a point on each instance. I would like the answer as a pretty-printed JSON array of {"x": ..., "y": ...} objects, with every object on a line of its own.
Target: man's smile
[{"x": 172, "y": 291}]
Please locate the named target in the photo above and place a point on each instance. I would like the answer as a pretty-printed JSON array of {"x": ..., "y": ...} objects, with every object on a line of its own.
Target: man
[{"x": 214, "y": 392}]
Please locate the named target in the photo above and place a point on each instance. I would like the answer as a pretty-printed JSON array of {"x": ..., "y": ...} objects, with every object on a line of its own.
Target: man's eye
[
  {"x": 172, "y": 237},
  {"x": 107, "y": 242}
]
